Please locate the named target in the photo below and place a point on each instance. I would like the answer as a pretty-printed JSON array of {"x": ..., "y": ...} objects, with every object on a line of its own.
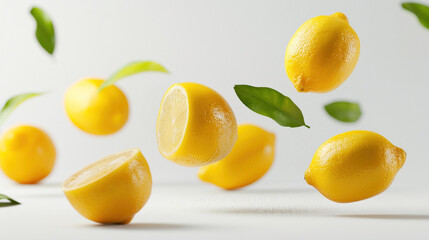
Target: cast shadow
[
  {"x": 389, "y": 216},
  {"x": 274, "y": 191},
  {"x": 145, "y": 226},
  {"x": 271, "y": 211}
]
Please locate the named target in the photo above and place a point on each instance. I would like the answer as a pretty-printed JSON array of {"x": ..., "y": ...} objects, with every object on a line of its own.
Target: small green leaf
[
  {"x": 344, "y": 111},
  {"x": 133, "y": 68},
  {"x": 270, "y": 103},
  {"x": 6, "y": 204},
  {"x": 13, "y": 103},
  {"x": 45, "y": 32},
  {"x": 420, "y": 10}
]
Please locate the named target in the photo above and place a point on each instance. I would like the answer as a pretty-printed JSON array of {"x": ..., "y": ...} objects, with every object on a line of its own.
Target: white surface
[
  {"x": 204, "y": 212},
  {"x": 217, "y": 43}
]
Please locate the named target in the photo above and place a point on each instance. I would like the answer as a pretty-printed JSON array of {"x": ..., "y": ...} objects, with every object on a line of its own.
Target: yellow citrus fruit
[
  {"x": 250, "y": 158},
  {"x": 196, "y": 126},
  {"x": 111, "y": 190},
  {"x": 27, "y": 154},
  {"x": 95, "y": 112},
  {"x": 354, "y": 165},
  {"x": 322, "y": 53}
]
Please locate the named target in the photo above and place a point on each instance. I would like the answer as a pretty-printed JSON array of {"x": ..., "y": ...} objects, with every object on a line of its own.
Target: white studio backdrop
[{"x": 219, "y": 44}]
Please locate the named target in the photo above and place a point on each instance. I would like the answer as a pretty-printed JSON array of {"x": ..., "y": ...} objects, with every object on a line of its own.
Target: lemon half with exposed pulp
[
  {"x": 111, "y": 190},
  {"x": 195, "y": 126}
]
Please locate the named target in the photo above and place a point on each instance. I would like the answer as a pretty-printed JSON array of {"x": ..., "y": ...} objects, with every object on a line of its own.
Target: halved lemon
[
  {"x": 111, "y": 190},
  {"x": 196, "y": 126}
]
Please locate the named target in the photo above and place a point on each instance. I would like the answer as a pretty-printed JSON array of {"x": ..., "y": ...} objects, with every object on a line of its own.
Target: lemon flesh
[
  {"x": 354, "y": 165},
  {"x": 111, "y": 190},
  {"x": 196, "y": 126},
  {"x": 172, "y": 120},
  {"x": 249, "y": 160}
]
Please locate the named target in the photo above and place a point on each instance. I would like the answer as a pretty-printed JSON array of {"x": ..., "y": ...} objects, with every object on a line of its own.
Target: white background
[{"x": 219, "y": 44}]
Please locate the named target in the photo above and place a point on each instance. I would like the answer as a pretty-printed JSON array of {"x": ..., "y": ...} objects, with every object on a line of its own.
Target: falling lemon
[
  {"x": 354, "y": 165},
  {"x": 96, "y": 112},
  {"x": 27, "y": 154},
  {"x": 111, "y": 190},
  {"x": 196, "y": 126},
  {"x": 249, "y": 160},
  {"x": 322, "y": 53}
]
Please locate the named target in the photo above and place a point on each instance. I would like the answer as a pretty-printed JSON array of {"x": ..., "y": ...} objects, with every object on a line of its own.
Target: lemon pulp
[
  {"x": 172, "y": 120},
  {"x": 98, "y": 169}
]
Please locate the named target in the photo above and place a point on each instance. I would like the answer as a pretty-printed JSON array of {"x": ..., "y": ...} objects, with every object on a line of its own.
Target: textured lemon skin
[
  {"x": 249, "y": 160},
  {"x": 211, "y": 128},
  {"x": 99, "y": 113},
  {"x": 322, "y": 54},
  {"x": 354, "y": 165},
  {"x": 27, "y": 154},
  {"x": 117, "y": 197}
]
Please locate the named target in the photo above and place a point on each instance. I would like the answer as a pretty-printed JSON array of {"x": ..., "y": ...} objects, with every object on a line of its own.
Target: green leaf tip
[
  {"x": 420, "y": 10},
  {"x": 344, "y": 111},
  {"x": 131, "y": 69},
  {"x": 6, "y": 204},
  {"x": 45, "y": 32},
  {"x": 271, "y": 103},
  {"x": 13, "y": 103}
]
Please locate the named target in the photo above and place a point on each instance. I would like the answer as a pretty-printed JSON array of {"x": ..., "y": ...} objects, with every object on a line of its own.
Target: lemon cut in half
[
  {"x": 196, "y": 126},
  {"x": 111, "y": 190}
]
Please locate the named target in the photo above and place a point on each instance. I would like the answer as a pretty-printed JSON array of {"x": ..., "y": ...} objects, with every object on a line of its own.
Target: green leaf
[
  {"x": 420, "y": 10},
  {"x": 133, "y": 68},
  {"x": 344, "y": 111},
  {"x": 270, "y": 103},
  {"x": 45, "y": 32},
  {"x": 6, "y": 204},
  {"x": 13, "y": 103}
]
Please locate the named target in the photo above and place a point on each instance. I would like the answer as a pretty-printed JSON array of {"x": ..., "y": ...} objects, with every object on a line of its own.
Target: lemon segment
[
  {"x": 249, "y": 160},
  {"x": 94, "y": 112},
  {"x": 322, "y": 54},
  {"x": 27, "y": 154},
  {"x": 111, "y": 190},
  {"x": 195, "y": 126},
  {"x": 354, "y": 165}
]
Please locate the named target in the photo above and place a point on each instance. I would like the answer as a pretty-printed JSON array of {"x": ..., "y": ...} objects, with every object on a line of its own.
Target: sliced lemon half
[
  {"x": 111, "y": 190},
  {"x": 196, "y": 126}
]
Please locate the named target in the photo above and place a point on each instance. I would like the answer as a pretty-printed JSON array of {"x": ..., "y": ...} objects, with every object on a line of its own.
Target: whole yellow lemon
[
  {"x": 111, "y": 190},
  {"x": 354, "y": 165},
  {"x": 95, "y": 112},
  {"x": 249, "y": 160},
  {"x": 322, "y": 54},
  {"x": 195, "y": 126},
  {"x": 27, "y": 154}
]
